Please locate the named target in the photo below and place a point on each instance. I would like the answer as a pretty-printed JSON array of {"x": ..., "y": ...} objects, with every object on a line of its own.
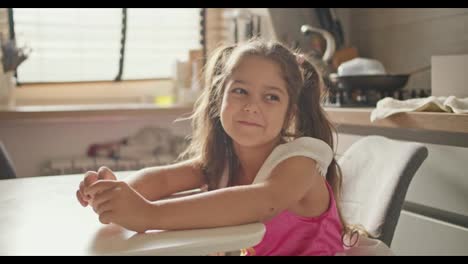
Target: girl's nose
[{"x": 251, "y": 108}]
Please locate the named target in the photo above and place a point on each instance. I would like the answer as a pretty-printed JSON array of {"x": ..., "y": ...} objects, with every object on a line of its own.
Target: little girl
[{"x": 262, "y": 145}]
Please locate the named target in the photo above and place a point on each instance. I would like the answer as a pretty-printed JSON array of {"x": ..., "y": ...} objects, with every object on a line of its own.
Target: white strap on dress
[{"x": 313, "y": 148}]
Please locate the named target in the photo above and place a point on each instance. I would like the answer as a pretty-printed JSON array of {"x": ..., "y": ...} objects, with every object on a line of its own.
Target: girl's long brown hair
[{"x": 212, "y": 147}]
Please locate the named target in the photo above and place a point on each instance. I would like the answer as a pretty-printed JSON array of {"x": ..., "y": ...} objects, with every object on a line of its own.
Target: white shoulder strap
[{"x": 313, "y": 148}]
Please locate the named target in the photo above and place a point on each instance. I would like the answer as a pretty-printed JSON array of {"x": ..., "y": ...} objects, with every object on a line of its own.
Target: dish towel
[{"x": 390, "y": 106}]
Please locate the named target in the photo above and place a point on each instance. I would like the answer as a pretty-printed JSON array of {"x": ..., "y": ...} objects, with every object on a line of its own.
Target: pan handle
[{"x": 418, "y": 70}]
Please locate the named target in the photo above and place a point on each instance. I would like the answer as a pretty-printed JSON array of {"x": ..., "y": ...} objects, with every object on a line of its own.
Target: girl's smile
[{"x": 249, "y": 123}]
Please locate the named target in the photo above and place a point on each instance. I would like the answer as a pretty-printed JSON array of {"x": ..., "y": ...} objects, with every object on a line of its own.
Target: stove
[{"x": 358, "y": 98}]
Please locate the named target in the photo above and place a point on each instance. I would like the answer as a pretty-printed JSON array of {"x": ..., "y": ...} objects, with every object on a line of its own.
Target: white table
[{"x": 41, "y": 216}]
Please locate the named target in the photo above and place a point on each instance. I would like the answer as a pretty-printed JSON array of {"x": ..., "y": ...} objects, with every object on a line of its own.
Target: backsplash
[{"x": 404, "y": 39}]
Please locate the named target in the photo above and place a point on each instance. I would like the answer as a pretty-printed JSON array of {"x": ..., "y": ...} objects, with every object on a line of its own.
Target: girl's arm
[
  {"x": 157, "y": 182},
  {"x": 285, "y": 187}
]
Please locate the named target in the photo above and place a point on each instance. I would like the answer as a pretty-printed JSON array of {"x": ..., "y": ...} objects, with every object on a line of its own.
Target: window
[
  {"x": 156, "y": 37},
  {"x": 86, "y": 44}
]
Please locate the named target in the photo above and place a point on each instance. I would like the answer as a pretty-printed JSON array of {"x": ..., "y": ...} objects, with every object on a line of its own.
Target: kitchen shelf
[
  {"x": 431, "y": 121},
  {"x": 89, "y": 111}
]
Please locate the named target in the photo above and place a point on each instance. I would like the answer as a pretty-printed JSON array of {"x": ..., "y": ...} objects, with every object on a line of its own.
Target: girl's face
[{"x": 255, "y": 102}]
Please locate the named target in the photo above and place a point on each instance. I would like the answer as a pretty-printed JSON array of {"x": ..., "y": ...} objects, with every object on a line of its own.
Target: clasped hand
[{"x": 113, "y": 200}]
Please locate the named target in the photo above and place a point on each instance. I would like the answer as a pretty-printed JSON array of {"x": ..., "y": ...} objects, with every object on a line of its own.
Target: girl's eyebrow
[
  {"x": 276, "y": 89},
  {"x": 240, "y": 81},
  {"x": 269, "y": 87}
]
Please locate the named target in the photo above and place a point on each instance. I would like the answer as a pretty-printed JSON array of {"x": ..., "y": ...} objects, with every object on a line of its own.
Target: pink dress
[{"x": 289, "y": 234}]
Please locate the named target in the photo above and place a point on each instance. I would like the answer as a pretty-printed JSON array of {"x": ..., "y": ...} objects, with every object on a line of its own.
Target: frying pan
[
  {"x": 367, "y": 82},
  {"x": 381, "y": 82}
]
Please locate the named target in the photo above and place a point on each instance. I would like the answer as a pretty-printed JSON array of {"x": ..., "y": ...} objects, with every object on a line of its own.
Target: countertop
[{"x": 432, "y": 121}]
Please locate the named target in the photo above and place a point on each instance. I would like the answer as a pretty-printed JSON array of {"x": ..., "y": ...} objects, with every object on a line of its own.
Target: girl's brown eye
[
  {"x": 272, "y": 97},
  {"x": 239, "y": 91}
]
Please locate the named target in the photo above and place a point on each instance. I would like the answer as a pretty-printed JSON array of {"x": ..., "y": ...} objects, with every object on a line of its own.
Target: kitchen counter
[{"x": 430, "y": 121}]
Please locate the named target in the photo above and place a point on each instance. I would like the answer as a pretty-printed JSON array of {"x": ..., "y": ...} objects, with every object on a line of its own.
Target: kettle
[
  {"x": 330, "y": 48},
  {"x": 322, "y": 62}
]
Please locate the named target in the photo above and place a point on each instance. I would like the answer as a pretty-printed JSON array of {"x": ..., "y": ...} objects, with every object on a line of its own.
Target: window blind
[
  {"x": 156, "y": 38},
  {"x": 83, "y": 44},
  {"x": 69, "y": 45}
]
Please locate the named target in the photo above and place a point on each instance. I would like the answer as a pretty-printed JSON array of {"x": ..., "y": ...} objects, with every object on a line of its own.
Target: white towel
[{"x": 390, "y": 106}]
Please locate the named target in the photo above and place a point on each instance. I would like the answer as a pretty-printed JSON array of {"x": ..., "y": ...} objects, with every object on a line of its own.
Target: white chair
[{"x": 377, "y": 172}]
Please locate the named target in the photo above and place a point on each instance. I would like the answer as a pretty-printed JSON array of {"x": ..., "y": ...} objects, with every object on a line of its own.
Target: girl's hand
[
  {"x": 90, "y": 178},
  {"x": 116, "y": 202},
  {"x": 103, "y": 173}
]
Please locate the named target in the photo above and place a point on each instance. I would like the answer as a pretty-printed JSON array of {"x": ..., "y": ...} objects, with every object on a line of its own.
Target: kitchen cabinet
[
  {"x": 435, "y": 216},
  {"x": 420, "y": 235}
]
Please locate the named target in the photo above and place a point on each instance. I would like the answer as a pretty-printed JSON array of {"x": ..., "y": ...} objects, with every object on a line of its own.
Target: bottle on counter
[
  {"x": 400, "y": 95},
  {"x": 422, "y": 93}
]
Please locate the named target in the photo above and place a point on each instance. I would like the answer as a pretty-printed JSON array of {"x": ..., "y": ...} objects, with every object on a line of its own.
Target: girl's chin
[{"x": 250, "y": 139}]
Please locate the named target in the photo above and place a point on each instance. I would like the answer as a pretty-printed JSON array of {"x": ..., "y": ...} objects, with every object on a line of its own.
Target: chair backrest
[
  {"x": 7, "y": 170},
  {"x": 377, "y": 172}
]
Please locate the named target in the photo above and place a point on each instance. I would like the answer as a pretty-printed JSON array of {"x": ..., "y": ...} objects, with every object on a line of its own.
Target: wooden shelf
[
  {"x": 89, "y": 111},
  {"x": 435, "y": 121},
  {"x": 431, "y": 121}
]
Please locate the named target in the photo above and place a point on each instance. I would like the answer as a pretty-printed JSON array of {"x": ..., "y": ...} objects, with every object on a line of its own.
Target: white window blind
[
  {"x": 71, "y": 45},
  {"x": 156, "y": 37}
]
